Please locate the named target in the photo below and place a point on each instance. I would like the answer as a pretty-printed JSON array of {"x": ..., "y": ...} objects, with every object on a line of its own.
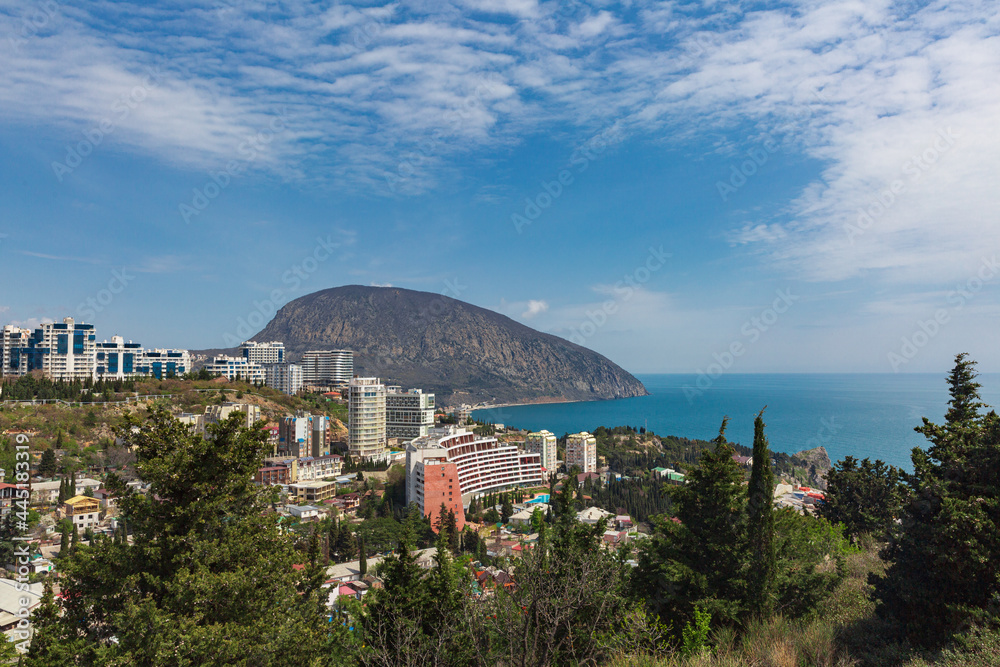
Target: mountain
[{"x": 463, "y": 353}]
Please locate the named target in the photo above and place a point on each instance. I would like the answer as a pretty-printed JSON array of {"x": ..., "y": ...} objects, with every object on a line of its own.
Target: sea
[{"x": 858, "y": 414}]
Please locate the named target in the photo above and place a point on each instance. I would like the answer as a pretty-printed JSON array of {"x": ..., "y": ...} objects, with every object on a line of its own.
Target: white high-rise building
[
  {"x": 272, "y": 352},
  {"x": 327, "y": 367},
  {"x": 116, "y": 360},
  {"x": 285, "y": 378},
  {"x": 236, "y": 368},
  {"x": 408, "y": 414},
  {"x": 581, "y": 450},
  {"x": 366, "y": 438},
  {"x": 61, "y": 350},
  {"x": 162, "y": 363},
  {"x": 543, "y": 442}
]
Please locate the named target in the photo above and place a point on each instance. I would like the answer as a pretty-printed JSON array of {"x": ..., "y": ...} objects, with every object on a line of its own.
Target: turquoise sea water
[{"x": 850, "y": 414}]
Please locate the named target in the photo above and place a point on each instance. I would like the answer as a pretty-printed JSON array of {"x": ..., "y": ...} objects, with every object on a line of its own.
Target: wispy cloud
[
  {"x": 863, "y": 89},
  {"x": 61, "y": 258}
]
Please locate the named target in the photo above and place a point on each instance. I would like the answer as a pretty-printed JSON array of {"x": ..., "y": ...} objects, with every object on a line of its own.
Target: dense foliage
[
  {"x": 943, "y": 572},
  {"x": 733, "y": 560},
  {"x": 865, "y": 497},
  {"x": 207, "y": 578}
]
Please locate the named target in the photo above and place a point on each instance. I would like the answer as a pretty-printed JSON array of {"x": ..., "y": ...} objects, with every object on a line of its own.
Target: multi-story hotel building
[
  {"x": 451, "y": 465},
  {"x": 236, "y": 368},
  {"x": 581, "y": 450},
  {"x": 272, "y": 352},
  {"x": 366, "y": 438},
  {"x": 327, "y": 367},
  {"x": 117, "y": 360},
  {"x": 303, "y": 435},
  {"x": 61, "y": 350},
  {"x": 544, "y": 443},
  {"x": 408, "y": 414},
  {"x": 162, "y": 363},
  {"x": 286, "y": 378}
]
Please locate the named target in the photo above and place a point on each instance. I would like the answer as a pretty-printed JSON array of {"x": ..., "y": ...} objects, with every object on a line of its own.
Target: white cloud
[
  {"x": 393, "y": 94},
  {"x": 535, "y": 308}
]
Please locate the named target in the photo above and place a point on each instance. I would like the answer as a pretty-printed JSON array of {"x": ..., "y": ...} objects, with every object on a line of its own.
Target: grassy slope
[
  {"x": 87, "y": 429},
  {"x": 843, "y": 632}
]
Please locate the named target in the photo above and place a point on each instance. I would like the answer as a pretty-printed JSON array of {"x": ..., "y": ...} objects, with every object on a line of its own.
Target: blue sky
[{"x": 794, "y": 186}]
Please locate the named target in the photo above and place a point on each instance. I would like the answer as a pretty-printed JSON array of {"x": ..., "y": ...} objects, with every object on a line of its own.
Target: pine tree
[
  {"x": 506, "y": 509},
  {"x": 701, "y": 560},
  {"x": 943, "y": 563},
  {"x": 47, "y": 464},
  {"x": 51, "y": 645},
  {"x": 202, "y": 527},
  {"x": 760, "y": 526}
]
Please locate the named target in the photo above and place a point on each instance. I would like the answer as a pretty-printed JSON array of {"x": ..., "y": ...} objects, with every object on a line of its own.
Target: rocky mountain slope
[{"x": 463, "y": 353}]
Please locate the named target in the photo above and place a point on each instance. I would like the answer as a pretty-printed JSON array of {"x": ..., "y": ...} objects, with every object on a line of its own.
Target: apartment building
[
  {"x": 236, "y": 368},
  {"x": 366, "y": 432},
  {"x": 61, "y": 350},
  {"x": 162, "y": 363},
  {"x": 217, "y": 413},
  {"x": 286, "y": 378},
  {"x": 303, "y": 435},
  {"x": 451, "y": 465},
  {"x": 408, "y": 414},
  {"x": 544, "y": 443},
  {"x": 262, "y": 354},
  {"x": 327, "y": 368},
  {"x": 116, "y": 359},
  {"x": 581, "y": 450}
]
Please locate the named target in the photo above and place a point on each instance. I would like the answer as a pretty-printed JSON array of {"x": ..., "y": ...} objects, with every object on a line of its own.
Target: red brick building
[{"x": 440, "y": 485}]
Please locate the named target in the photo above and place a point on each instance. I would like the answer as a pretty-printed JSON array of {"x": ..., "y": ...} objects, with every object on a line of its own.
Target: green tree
[
  {"x": 64, "y": 543},
  {"x": 699, "y": 559},
  {"x": 47, "y": 464},
  {"x": 209, "y": 571},
  {"x": 362, "y": 556},
  {"x": 52, "y": 645},
  {"x": 942, "y": 572},
  {"x": 760, "y": 526},
  {"x": 866, "y": 497},
  {"x": 506, "y": 509}
]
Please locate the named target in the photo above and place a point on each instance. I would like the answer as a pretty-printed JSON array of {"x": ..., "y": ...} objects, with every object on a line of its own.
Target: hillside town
[{"x": 492, "y": 487}]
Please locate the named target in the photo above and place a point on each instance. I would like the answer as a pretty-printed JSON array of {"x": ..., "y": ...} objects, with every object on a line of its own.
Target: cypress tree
[
  {"x": 760, "y": 526},
  {"x": 64, "y": 542},
  {"x": 700, "y": 561},
  {"x": 362, "y": 556}
]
